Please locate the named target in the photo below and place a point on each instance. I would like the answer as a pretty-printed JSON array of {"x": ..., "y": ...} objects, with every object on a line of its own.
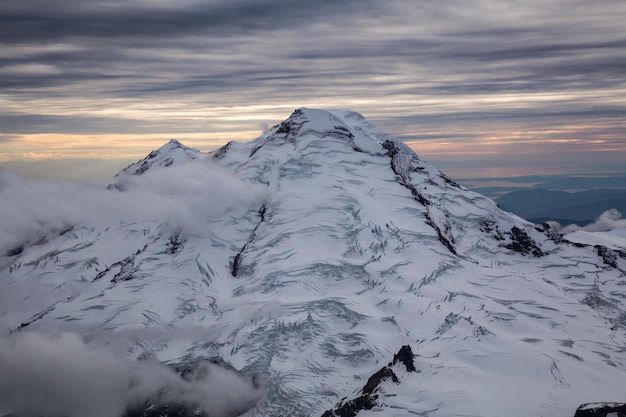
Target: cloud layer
[
  {"x": 464, "y": 73},
  {"x": 183, "y": 197},
  {"x": 609, "y": 220},
  {"x": 60, "y": 375}
]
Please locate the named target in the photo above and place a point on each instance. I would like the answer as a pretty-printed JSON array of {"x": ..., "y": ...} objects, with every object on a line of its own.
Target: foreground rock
[
  {"x": 601, "y": 410},
  {"x": 371, "y": 390}
]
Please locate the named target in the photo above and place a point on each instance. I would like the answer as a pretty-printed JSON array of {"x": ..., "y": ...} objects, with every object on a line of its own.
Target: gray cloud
[
  {"x": 7, "y": 138},
  {"x": 68, "y": 168},
  {"x": 42, "y": 374},
  {"x": 35, "y": 20},
  {"x": 527, "y": 61},
  {"x": 35, "y": 123},
  {"x": 41, "y": 123}
]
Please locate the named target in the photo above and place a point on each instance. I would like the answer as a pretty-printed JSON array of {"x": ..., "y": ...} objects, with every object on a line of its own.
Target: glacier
[{"x": 307, "y": 258}]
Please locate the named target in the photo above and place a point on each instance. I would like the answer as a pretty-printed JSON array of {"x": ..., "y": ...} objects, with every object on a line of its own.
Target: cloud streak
[
  {"x": 203, "y": 67},
  {"x": 35, "y": 20}
]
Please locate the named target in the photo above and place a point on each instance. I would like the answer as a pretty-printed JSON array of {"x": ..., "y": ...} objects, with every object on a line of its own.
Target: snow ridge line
[
  {"x": 290, "y": 128},
  {"x": 34, "y": 318},
  {"x": 392, "y": 152},
  {"x": 40, "y": 315}
]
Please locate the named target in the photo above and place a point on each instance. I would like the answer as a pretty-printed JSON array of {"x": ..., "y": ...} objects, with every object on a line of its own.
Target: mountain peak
[
  {"x": 304, "y": 121},
  {"x": 172, "y": 153},
  {"x": 340, "y": 125}
]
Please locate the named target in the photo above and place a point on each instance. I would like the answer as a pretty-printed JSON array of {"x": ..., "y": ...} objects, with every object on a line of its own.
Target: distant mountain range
[{"x": 581, "y": 208}]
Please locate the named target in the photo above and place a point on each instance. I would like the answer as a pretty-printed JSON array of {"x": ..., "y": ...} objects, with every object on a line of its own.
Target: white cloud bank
[
  {"x": 54, "y": 376},
  {"x": 609, "y": 220},
  {"x": 183, "y": 196}
]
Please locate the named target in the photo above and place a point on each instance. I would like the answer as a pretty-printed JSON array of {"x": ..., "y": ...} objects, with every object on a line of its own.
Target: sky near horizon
[{"x": 483, "y": 87}]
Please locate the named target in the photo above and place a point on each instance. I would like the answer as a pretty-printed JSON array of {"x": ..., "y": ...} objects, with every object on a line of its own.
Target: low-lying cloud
[
  {"x": 60, "y": 375},
  {"x": 609, "y": 220},
  {"x": 183, "y": 197}
]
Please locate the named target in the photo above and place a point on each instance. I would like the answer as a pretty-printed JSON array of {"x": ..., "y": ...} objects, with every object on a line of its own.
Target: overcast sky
[{"x": 482, "y": 86}]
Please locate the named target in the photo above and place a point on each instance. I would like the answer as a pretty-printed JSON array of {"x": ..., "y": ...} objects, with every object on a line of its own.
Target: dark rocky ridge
[
  {"x": 522, "y": 243},
  {"x": 601, "y": 410},
  {"x": 369, "y": 393}
]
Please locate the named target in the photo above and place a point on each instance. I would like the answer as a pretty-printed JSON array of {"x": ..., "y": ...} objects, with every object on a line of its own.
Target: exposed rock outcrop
[
  {"x": 369, "y": 393},
  {"x": 601, "y": 410},
  {"x": 522, "y": 243}
]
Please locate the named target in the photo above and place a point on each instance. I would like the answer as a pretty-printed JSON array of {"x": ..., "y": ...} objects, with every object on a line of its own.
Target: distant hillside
[{"x": 581, "y": 207}]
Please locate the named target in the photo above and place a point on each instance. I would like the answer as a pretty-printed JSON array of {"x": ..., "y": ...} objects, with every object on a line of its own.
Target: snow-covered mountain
[
  {"x": 341, "y": 247},
  {"x": 172, "y": 153}
]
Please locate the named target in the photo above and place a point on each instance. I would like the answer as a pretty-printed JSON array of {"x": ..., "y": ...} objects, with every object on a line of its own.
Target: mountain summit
[
  {"x": 352, "y": 278},
  {"x": 169, "y": 154}
]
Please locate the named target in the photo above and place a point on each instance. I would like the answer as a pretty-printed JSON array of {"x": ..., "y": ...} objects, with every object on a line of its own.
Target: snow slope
[
  {"x": 354, "y": 248},
  {"x": 613, "y": 239},
  {"x": 172, "y": 153}
]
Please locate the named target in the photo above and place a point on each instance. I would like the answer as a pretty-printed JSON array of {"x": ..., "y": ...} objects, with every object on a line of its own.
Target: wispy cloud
[
  {"x": 460, "y": 70},
  {"x": 7, "y": 138},
  {"x": 182, "y": 197}
]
